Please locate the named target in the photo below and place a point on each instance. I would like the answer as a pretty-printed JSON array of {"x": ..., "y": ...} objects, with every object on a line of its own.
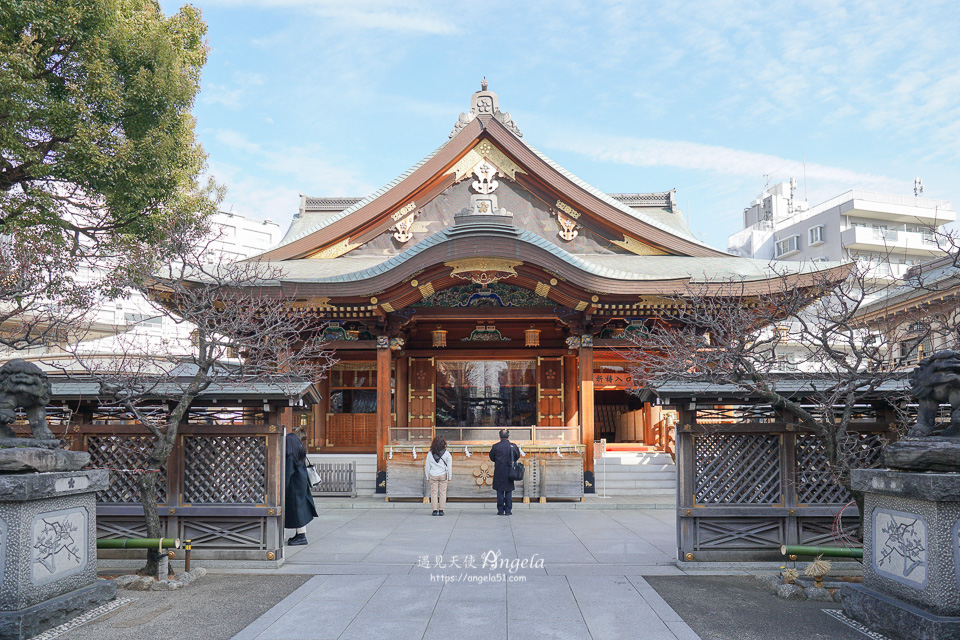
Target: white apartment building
[
  {"x": 135, "y": 318},
  {"x": 889, "y": 231},
  {"x": 237, "y": 237}
]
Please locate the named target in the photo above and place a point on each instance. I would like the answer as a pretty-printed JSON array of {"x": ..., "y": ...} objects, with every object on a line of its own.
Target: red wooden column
[
  {"x": 286, "y": 418},
  {"x": 571, "y": 416},
  {"x": 586, "y": 400},
  {"x": 402, "y": 406},
  {"x": 320, "y": 415},
  {"x": 383, "y": 399},
  {"x": 648, "y": 436}
]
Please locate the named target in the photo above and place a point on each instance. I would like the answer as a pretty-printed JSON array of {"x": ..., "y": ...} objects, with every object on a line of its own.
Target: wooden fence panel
[
  {"x": 222, "y": 488},
  {"x": 750, "y": 481}
]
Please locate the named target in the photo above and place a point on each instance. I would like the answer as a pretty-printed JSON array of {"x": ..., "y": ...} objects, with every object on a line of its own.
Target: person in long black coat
[
  {"x": 299, "y": 508},
  {"x": 503, "y": 454}
]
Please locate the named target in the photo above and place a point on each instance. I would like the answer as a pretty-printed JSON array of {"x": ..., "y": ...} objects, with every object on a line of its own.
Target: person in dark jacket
[
  {"x": 299, "y": 508},
  {"x": 503, "y": 454}
]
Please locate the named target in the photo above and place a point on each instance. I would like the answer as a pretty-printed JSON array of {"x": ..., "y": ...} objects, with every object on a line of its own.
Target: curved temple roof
[{"x": 621, "y": 244}]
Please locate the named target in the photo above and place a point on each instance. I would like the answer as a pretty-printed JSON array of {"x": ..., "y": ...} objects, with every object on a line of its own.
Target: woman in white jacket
[{"x": 439, "y": 470}]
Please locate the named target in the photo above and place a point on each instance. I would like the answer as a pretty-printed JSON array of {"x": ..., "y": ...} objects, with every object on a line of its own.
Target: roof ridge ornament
[{"x": 485, "y": 103}]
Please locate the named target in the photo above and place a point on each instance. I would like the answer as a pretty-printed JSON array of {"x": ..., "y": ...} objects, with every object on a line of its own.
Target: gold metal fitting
[
  {"x": 171, "y": 554},
  {"x": 688, "y": 557},
  {"x": 689, "y": 512},
  {"x": 270, "y": 555}
]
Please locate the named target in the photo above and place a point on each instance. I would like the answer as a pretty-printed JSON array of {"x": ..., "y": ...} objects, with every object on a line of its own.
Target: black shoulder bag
[{"x": 516, "y": 468}]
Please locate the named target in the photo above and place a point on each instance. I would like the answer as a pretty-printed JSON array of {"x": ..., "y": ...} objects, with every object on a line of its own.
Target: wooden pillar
[
  {"x": 586, "y": 400},
  {"x": 383, "y": 399},
  {"x": 402, "y": 392},
  {"x": 286, "y": 418},
  {"x": 320, "y": 415},
  {"x": 648, "y": 437},
  {"x": 571, "y": 417}
]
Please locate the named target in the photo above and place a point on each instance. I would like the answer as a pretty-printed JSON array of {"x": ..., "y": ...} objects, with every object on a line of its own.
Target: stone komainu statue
[
  {"x": 936, "y": 380},
  {"x": 24, "y": 385}
]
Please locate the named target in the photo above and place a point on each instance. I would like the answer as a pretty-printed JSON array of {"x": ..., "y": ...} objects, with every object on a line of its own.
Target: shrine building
[{"x": 485, "y": 288}]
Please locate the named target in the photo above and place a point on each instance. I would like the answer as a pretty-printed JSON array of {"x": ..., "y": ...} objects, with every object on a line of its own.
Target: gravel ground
[
  {"x": 214, "y": 607},
  {"x": 736, "y": 608}
]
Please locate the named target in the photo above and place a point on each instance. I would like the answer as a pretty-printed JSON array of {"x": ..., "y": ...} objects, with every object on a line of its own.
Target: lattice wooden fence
[
  {"x": 750, "y": 480},
  {"x": 222, "y": 488}
]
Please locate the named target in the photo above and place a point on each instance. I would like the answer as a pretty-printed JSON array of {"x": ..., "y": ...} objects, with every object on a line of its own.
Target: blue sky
[{"x": 329, "y": 98}]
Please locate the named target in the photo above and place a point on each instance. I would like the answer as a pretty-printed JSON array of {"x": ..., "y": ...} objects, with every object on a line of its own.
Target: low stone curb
[{"x": 133, "y": 582}]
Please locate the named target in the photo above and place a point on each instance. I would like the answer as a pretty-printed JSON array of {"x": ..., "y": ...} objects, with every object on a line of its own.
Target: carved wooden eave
[{"x": 542, "y": 272}]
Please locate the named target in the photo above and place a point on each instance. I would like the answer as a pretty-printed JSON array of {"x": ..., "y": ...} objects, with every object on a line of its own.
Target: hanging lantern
[
  {"x": 439, "y": 337},
  {"x": 532, "y": 337}
]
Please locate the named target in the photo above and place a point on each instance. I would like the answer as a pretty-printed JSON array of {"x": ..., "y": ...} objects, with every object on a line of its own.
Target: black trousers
[{"x": 504, "y": 501}]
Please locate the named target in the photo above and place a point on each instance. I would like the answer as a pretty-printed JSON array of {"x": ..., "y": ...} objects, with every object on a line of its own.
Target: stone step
[
  {"x": 636, "y": 484},
  {"x": 666, "y": 495},
  {"x": 635, "y": 468},
  {"x": 635, "y": 460},
  {"x": 636, "y": 477}
]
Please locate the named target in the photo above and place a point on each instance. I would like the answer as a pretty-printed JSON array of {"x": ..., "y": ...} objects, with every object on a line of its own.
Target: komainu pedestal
[
  {"x": 911, "y": 555},
  {"x": 48, "y": 550}
]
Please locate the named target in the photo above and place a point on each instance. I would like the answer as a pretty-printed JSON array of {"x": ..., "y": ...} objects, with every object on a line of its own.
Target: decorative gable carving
[
  {"x": 640, "y": 248},
  {"x": 335, "y": 250},
  {"x": 403, "y": 230},
  {"x": 486, "y": 151},
  {"x": 485, "y": 103},
  {"x": 485, "y": 182},
  {"x": 568, "y": 227}
]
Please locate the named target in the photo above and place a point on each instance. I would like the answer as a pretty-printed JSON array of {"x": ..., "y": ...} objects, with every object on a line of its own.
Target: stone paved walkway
[{"x": 540, "y": 573}]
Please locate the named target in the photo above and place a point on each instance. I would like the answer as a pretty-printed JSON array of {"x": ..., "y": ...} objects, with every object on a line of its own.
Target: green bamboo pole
[
  {"x": 138, "y": 543},
  {"x": 827, "y": 552}
]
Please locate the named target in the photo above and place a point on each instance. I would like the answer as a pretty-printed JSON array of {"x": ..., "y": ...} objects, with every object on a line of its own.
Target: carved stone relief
[
  {"x": 900, "y": 547},
  {"x": 59, "y": 544}
]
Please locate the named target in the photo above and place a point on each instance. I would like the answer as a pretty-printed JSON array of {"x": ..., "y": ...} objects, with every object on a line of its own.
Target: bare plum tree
[
  {"x": 241, "y": 330},
  {"x": 728, "y": 334}
]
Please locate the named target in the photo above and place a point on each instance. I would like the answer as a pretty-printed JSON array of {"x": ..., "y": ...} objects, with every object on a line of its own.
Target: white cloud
[
  {"x": 646, "y": 152},
  {"x": 266, "y": 181},
  {"x": 390, "y": 15},
  {"x": 231, "y": 95}
]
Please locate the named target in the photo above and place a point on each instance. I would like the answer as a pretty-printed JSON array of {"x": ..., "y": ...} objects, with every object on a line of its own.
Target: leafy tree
[
  {"x": 96, "y": 135},
  {"x": 97, "y": 150}
]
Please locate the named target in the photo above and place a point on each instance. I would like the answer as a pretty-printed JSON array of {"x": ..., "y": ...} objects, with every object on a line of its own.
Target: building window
[
  {"x": 788, "y": 246},
  {"x": 816, "y": 235}
]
